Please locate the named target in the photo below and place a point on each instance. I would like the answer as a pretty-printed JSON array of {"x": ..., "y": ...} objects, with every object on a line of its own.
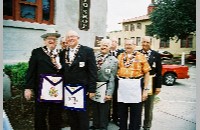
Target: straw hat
[{"x": 50, "y": 32}]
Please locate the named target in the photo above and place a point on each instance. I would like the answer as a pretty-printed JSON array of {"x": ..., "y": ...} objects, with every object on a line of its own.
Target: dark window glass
[
  {"x": 46, "y": 9},
  {"x": 32, "y": 1},
  {"x": 40, "y": 11},
  {"x": 164, "y": 43},
  {"x": 187, "y": 42},
  {"x": 132, "y": 27},
  {"x": 190, "y": 42},
  {"x": 126, "y": 28},
  {"x": 138, "y": 39},
  {"x": 7, "y": 7},
  {"x": 27, "y": 11},
  {"x": 139, "y": 26}
]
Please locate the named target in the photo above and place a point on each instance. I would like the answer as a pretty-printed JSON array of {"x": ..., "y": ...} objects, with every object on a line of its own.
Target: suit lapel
[{"x": 46, "y": 58}]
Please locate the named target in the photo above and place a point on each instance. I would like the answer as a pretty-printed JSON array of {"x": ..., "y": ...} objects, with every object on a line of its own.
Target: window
[
  {"x": 132, "y": 27},
  {"x": 40, "y": 11},
  {"x": 139, "y": 26},
  {"x": 133, "y": 38},
  {"x": 164, "y": 43},
  {"x": 138, "y": 39},
  {"x": 125, "y": 27},
  {"x": 187, "y": 42}
]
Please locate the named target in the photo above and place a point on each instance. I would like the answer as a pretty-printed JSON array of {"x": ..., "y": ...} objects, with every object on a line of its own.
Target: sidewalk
[{"x": 166, "y": 117}]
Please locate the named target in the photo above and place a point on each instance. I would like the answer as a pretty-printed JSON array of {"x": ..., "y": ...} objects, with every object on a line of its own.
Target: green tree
[{"x": 173, "y": 18}]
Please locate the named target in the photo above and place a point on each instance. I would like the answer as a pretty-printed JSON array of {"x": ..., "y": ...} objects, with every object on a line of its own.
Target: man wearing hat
[{"x": 44, "y": 61}]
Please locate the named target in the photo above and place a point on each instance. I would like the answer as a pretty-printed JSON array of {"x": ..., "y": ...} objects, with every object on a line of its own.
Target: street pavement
[{"x": 175, "y": 106}]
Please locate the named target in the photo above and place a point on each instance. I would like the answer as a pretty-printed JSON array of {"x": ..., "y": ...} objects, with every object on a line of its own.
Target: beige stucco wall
[{"x": 173, "y": 48}]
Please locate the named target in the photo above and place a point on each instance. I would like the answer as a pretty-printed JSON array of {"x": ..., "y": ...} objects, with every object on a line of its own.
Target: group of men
[{"x": 121, "y": 70}]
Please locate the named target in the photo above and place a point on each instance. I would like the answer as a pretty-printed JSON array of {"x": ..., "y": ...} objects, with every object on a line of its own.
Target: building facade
[
  {"x": 135, "y": 28},
  {"x": 24, "y": 21}
]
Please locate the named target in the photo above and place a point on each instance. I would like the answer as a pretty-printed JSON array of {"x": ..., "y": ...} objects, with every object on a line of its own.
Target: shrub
[{"x": 17, "y": 73}]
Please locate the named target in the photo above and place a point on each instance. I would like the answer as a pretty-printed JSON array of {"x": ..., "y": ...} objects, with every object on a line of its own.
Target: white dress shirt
[{"x": 72, "y": 53}]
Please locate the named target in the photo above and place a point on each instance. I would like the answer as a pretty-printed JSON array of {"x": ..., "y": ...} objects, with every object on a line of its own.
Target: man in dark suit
[
  {"x": 79, "y": 66},
  {"x": 114, "y": 51},
  {"x": 154, "y": 61},
  {"x": 44, "y": 60}
]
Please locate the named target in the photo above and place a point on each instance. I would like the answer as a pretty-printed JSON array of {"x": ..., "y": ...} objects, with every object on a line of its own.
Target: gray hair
[
  {"x": 130, "y": 41},
  {"x": 146, "y": 38},
  {"x": 106, "y": 41}
]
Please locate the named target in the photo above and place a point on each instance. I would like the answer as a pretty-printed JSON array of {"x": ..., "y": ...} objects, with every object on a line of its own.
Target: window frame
[
  {"x": 139, "y": 25},
  {"x": 132, "y": 27},
  {"x": 166, "y": 44},
  {"x": 38, "y": 12},
  {"x": 138, "y": 41},
  {"x": 187, "y": 42},
  {"x": 126, "y": 27}
]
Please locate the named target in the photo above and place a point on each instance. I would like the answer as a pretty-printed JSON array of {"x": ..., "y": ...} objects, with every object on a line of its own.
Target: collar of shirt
[
  {"x": 53, "y": 51},
  {"x": 72, "y": 49}
]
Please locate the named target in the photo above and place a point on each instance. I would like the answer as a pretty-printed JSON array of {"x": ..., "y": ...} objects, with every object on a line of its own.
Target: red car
[{"x": 172, "y": 72}]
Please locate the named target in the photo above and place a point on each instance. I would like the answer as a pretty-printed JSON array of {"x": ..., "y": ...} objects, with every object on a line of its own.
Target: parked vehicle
[
  {"x": 191, "y": 57},
  {"x": 172, "y": 72},
  {"x": 165, "y": 55}
]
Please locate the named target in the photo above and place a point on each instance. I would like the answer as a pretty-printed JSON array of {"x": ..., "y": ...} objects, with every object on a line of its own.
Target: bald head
[
  {"x": 114, "y": 44},
  {"x": 72, "y": 38},
  {"x": 72, "y": 33},
  {"x": 146, "y": 39},
  {"x": 146, "y": 43}
]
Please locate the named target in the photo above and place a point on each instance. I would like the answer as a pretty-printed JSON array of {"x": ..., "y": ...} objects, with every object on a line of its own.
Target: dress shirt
[
  {"x": 137, "y": 68},
  {"x": 72, "y": 53}
]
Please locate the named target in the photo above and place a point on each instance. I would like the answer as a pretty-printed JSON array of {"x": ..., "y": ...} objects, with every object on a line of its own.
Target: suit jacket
[
  {"x": 39, "y": 63},
  {"x": 83, "y": 70},
  {"x": 117, "y": 52},
  {"x": 154, "y": 61},
  {"x": 107, "y": 73}
]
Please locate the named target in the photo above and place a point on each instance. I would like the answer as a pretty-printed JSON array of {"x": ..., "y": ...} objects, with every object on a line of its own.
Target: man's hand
[
  {"x": 107, "y": 98},
  {"x": 144, "y": 95},
  {"x": 91, "y": 95},
  {"x": 28, "y": 94},
  {"x": 157, "y": 91}
]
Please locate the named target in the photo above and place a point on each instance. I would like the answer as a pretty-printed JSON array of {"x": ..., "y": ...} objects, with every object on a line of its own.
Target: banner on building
[{"x": 84, "y": 15}]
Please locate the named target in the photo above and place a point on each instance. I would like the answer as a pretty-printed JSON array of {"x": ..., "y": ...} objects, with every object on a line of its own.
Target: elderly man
[
  {"x": 132, "y": 89},
  {"x": 44, "y": 61},
  {"x": 64, "y": 43},
  {"x": 80, "y": 68},
  {"x": 154, "y": 60},
  {"x": 114, "y": 51},
  {"x": 107, "y": 68}
]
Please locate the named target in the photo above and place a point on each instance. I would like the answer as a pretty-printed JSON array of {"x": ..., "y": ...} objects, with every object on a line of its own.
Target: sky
[{"x": 124, "y": 9}]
